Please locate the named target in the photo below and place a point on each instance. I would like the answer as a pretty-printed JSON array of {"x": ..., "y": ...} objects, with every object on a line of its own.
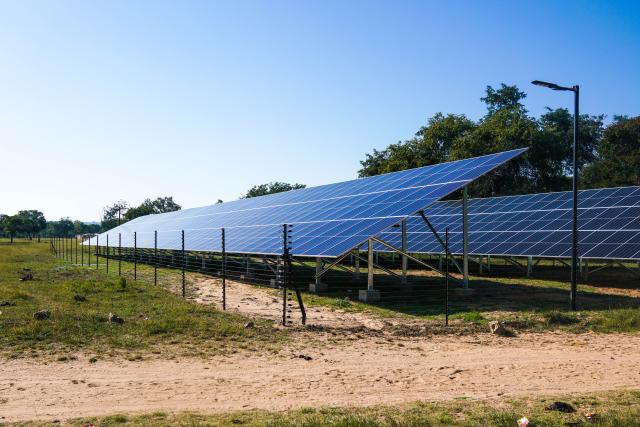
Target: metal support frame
[
  {"x": 412, "y": 258},
  {"x": 437, "y": 236},
  {"x": 529, "y": 266},
  {"x": 97, "y": 252}
]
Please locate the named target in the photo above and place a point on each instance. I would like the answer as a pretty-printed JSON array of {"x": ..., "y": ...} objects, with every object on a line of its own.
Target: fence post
[
  {"x": 155, "y": 258},
  {"x": 284, "y": 278},
  {"x": 119, "y": 254},
  {"x": 107, "y": 253},
  {"x": 224, "y": 271},
  {"x": 446, "y": 277},
  {"x": 97, "y": 252},
  {"x": 289, "y": 272},
  {"x": 184, "y": 261},
  {"x": 135, "y": 255}
]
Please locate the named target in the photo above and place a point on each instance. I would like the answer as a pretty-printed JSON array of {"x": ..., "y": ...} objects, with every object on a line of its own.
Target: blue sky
[{"x": 101, "y": 101}]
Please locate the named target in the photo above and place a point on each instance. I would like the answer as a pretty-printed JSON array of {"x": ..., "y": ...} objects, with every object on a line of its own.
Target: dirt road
[{"x": 354, "y": 369}]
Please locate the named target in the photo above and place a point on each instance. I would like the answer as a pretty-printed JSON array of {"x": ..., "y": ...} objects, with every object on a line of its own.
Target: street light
[{"x": 574, "y": 230}]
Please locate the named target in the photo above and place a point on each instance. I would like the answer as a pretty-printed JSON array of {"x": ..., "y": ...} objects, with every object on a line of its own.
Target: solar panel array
[
  {"x": 535, "y": 225},
  {"x": 327, "y": 221}
]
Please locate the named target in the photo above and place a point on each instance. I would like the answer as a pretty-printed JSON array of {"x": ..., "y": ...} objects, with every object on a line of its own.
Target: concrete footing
[
  {"x": 369, "y": 295},
  {"x": 317, "y": 287}
]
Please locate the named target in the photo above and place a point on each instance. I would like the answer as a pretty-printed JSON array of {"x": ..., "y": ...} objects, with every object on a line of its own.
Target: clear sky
[{"x": 109, "y": 100}]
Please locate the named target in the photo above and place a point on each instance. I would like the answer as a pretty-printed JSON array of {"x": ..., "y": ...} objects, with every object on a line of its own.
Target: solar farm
[
  {"x": 397, "y": 241},
  {"x": 394, "y": 286}
]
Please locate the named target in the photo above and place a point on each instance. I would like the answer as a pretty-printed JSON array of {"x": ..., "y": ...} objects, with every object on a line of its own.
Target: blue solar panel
[
  {"x": 327, "y": 221},
  {"x": 535, "y": 225}
]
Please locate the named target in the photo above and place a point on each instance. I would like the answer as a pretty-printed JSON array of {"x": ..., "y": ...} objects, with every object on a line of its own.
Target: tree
[
  {"x": 619, "y": 156},
  {"x": 507, "y": 97},
  {"x": 32, "y": 222},
  {"x": 149, "y": 207},
  {"x": 12, "y": 225},
  {"x": 112, "y": 215},
  {"x": 558, "y": 125},
  {"x": 431, "y": 144},
  {"x": 506, "y": 125},
  {"x": 271, "y": 188}
]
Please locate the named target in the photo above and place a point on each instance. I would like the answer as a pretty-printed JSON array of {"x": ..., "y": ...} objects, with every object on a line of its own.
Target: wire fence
[{"x": 427, "y": 285}]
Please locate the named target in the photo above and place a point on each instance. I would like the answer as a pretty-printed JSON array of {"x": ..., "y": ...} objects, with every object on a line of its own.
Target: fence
[
  {"x": 428, "y": 285},
  {"x": 148, "y": 251}
]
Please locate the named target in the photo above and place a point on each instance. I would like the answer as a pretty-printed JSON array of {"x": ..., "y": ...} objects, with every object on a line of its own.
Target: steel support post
[
  {"x": 465, "y": 237},
  {"x": 529, "y": 266},
  {"x": 370, "y": 294},
  {"x": 405, "y": 260},
  {"x": 357, "y": 265}
]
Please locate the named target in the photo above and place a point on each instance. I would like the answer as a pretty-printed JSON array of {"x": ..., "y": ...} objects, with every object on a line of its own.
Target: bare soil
[{"x": 342, "y": 359}]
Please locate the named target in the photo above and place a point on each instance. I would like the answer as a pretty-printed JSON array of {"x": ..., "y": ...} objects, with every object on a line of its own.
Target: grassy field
[
  {"x": 155, "y": 320},
  {"x": 611, "y": 409}
]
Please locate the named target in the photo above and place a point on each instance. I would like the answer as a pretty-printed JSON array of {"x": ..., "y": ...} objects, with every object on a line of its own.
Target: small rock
[
  {"x": 305, "y": 357},
  {"x": 79, "y": 298},
  {"x": 7, "y": 304},
  {"x": 249, "y": 325},
  {"x": 561, "y": 407},
  {"x": 497, "y": 328},
  {"x": 115, "y": 319},
  {"x": 26, "y": 274},
  {"x": 42, "y": 315}
]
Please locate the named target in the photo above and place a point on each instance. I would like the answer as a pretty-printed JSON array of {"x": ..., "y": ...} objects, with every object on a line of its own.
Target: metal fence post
[
  {"x": 82, "y": 255},
  {"x": 446, "y": 277},
  {"x": 155, "y": 257},
  {"x": 184, "y": 261},
  {"x": 89, "y": 253},
  {"x": 284, "y": 278},
  {"x": 107, "y": 254},
  {"x": 135, "y": 255},
  {"x": 224, "y": 271},
  {"x": 97, "y": 252},
  {"x": 119, "y": 254}
]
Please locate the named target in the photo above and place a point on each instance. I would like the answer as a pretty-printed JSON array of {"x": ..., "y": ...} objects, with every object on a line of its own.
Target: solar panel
[
  {"x": 327, "y": 220},
  {"x": 535, "y": 225}
]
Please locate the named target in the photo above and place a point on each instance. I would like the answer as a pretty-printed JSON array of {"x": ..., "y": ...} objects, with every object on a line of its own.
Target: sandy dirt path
[{"x": 343, "y": 366}]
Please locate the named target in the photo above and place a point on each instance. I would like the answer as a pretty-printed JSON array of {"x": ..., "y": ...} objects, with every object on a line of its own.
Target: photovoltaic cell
[
  {"x": 326, "y": 221},
  {"x": 535, "y": 225}
]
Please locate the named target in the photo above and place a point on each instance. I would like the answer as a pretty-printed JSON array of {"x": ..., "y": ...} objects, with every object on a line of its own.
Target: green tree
[
  {"x": 271, "y": 188},
  {"x": 12, "y": 225},
  {"x": 619, "y": 156},
  {"x": 112, "y": 215},
  {"x": 506, "y": 126},
  {"x": 32, "y": 222},
  {"x": 148, "y": 207},
  {"x": 558, "y": 126}
]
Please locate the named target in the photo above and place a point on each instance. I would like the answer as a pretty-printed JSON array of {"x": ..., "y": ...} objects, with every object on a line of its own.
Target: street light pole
[{"x": 574, "y": 226}]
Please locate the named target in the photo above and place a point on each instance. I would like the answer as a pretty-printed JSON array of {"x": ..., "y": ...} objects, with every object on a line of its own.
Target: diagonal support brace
[{"x": 437, "y": 236}]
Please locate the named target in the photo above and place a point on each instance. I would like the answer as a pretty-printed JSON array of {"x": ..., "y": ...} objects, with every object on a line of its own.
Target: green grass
[
  {"x": 620, "y": 408},
  {"x": 156, "y": 320}
]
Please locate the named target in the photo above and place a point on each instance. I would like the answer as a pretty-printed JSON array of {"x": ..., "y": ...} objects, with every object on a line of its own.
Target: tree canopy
[
  {"x": 506, "y": 125},
  {"x": 120, "y": 211},
  {"x": 271, "y": 188}
]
